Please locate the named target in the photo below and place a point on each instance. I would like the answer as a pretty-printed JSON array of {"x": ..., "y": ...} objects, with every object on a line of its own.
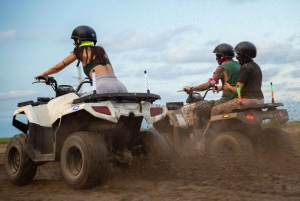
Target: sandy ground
[{"x": 190, "y": 178}]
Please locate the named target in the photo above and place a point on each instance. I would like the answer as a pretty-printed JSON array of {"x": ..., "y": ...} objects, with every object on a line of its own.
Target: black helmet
[
  {"x": 246, "y": 48},
  {"x": 224, "y": 49},
  {"x": 84, "y": 32}
]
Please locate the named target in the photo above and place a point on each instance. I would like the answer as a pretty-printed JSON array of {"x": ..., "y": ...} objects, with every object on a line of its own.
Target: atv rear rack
[
  {"x": 120, "y": 97},
  {"x": 268, "y": 106}
]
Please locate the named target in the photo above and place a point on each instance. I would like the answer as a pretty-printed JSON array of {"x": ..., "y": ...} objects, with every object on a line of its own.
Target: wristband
[{"x": 213, "y": 81}]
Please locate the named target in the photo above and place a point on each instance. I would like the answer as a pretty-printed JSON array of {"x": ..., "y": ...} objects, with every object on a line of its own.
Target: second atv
[{"x": 234, "y": 137}]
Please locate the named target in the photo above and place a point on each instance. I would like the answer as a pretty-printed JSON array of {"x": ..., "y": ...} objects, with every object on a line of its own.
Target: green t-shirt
[{"x": 232, "y": 68}]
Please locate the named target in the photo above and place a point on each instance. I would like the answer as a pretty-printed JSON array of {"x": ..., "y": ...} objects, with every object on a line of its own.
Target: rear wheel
[
  {"x": 20, "y": 169},
  {"x": 274, "y": 149},
  {"x": 155, "y": 149},
  {"x": 232, "y": 149},
  {"x": 84, "y": 160}
]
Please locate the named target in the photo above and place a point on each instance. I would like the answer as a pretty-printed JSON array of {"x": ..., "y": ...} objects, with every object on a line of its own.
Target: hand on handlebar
[
  {"x": 187, "y": 89},
  {"x": 42, "y": 77},
  {"x": 217, "y": 88}
]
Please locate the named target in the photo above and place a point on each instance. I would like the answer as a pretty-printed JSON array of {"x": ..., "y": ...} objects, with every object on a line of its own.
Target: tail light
[
  {"x": 101, "y": 109},
  {"x": 281, "y": 114},
  {"x": 155, "y": 111},
  {"x": 249, "y": 116}
]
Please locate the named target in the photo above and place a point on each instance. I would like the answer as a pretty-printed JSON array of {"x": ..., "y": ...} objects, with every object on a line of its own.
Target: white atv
[{"x": 84, "y": 134}]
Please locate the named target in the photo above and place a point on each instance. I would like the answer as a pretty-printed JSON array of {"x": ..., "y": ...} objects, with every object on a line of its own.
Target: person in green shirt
[
  {"x": 227, "y": 71},
  {"x": 249, "y": 80}
]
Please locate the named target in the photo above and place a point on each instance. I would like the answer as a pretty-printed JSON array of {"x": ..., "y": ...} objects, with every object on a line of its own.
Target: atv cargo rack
[
  {"x": 268, "y": 106},
  {"x": 120, "y": 97}
]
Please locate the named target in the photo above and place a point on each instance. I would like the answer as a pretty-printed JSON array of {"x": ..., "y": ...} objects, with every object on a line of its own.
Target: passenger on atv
[
  {"x": 94, "y": 60},
  {"x": 249, "y": 80},
  {"x": 227, "y": 72}
]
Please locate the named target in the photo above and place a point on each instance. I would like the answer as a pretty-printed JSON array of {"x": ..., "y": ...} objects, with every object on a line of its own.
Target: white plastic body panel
[{"x": 47, "y": 114}]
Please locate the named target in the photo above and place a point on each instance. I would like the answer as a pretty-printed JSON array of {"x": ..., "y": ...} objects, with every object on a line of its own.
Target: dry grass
[{"x": 4, "y": 140}]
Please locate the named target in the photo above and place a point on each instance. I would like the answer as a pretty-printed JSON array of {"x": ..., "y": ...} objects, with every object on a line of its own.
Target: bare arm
[
  {"x": 200, "y": 87},
  {"x": 217, "y": 75},
  {"x": 58, "y": 67}
]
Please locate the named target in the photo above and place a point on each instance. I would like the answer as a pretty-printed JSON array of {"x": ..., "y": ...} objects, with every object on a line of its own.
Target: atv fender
[
  {"x": 177, "y": 118},
  {"x": 47, "y": 114},
  {"x": 174, "y": 127}
]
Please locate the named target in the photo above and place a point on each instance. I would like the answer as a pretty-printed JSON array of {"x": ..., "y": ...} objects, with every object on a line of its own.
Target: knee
[{"x": 215, "y": 110}]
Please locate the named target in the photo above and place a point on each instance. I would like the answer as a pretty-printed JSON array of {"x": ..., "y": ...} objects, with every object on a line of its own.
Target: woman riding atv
[
  {"x": 93, "y": 58},
  {"x": 227, "y": 72},
  {"x": 249, "y": 80}
]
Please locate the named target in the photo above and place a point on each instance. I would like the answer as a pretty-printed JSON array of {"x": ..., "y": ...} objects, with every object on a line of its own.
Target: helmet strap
[
  {"x": 77, "y": 42},
  {"x": 222, "y": 59}
]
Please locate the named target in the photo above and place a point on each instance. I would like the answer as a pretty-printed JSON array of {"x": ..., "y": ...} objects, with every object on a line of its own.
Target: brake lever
[
  {"x": 215, "y": 89},
  {"x": 39, "y": 82}
]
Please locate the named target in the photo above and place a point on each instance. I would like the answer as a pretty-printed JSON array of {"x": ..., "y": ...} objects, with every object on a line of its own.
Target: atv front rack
[
  {"x": 40, "y": 101},
  {"x": 119, "y": 97}
]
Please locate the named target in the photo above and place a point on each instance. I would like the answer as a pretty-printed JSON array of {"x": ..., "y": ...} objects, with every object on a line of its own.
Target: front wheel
[
  {"x": 84, "y": 160},
  {"x": 20, "y": 169},
  {"x": 232, "y": 149}
]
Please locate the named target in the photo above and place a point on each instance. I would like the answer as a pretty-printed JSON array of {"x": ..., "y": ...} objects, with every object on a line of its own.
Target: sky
[{"x": 172, "y": 40}]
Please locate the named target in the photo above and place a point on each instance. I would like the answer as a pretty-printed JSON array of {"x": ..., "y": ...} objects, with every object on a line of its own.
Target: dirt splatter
[{"x": 188, "y": 178}]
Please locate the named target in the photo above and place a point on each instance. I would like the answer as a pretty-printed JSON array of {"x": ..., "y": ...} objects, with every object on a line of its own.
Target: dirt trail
[{"x": 190, "y": 178}]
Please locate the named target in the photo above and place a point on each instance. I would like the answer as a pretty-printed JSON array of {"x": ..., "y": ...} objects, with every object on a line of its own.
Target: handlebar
[
  {"x": 39, "y": 80},
  {"x": 53, "y": 83},
  {"x": 190, "y": 94}
]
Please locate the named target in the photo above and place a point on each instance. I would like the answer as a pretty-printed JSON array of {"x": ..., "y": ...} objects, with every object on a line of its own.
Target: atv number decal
[
  {"x": 75, "y": 107},
  {"x": 180, "y": 119}
]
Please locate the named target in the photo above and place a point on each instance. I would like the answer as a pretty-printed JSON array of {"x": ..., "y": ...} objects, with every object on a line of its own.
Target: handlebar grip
[{"x": 41, "y": 78}]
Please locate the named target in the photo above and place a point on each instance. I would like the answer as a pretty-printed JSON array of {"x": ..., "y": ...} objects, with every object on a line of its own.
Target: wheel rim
[
  {"x": 226, "y": 149},
  {"x": 14, "y": 160},
  {"x": 74, "y": 161},
  {"x": 224, "y": 153}
]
